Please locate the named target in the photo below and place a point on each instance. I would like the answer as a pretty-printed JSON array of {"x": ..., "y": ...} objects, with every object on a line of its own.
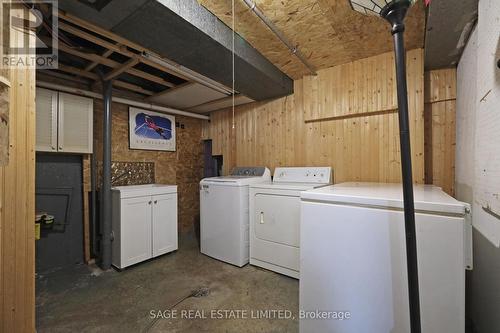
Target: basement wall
[
  {"x": 478, "y": 162},
  {"x": 439, "y": 131},
  {"x": 183, "y": 167},
  {"x": 345, "y": 117}
]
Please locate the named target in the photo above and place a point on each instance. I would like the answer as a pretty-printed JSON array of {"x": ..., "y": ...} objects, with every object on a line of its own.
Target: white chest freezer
[{"x": 353, "y": 259}]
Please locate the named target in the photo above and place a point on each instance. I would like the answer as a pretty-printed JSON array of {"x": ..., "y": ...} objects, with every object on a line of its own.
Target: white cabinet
[
  {"x": 164, "y": 226},
  {"x": 144, "y": 222},
  {"x": 46, "y": 120},
  {"x": 63, "y": 122},
  {"x": 134, "y": 230}
]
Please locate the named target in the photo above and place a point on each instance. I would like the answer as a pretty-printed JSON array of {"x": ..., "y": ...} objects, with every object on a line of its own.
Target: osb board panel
[
  {"x": 440, "y": 136},
  {"x": 86, "y": 206},
  {"x": 328, "y": 32},
  {"x": 183, "y": 167},
  {"x": 17, "y": 210},
  {"x": 364, "y": 148}
]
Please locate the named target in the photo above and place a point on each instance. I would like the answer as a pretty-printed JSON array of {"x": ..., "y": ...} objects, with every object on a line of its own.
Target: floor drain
[{"x": 200, "y": 292}]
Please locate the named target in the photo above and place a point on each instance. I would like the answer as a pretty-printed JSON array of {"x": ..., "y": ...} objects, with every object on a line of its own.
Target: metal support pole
[
  {"x": 93, "y": 199},
  {"x": 395, "y": 14},
  {"x": 106, "y": 177},
  {"x": 409, "y": 206}
]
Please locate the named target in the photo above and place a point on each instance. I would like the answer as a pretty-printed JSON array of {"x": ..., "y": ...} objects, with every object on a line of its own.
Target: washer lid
[{"x": 428, "y": 198}]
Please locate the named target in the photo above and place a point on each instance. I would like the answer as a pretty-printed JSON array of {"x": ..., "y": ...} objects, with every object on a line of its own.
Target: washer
[
  {"x": 224, "y": 214},
  {"x": 275, "y": 217},
  {"x": 353, "y": 258}
]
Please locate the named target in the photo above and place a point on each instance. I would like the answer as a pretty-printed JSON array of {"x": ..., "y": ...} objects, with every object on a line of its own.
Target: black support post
[
  {"x": 106, "y": 177},
  {"x": 395, "y": 14}
]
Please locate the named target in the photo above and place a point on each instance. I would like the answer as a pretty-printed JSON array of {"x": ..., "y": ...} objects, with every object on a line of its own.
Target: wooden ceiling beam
[
  {"x": 114, "y": 64},
  {"x": 120, "y": 47},
  {"x": 132, "y": 87},
  {"x": 77, "y": 71},
  {"x": 95, "y": 77},
  {"x": 63, "y": 76},
  {"x": 103, "y": 32},
  {"x": 119, "y": 70},
  {"x": 93, "y": 64}
]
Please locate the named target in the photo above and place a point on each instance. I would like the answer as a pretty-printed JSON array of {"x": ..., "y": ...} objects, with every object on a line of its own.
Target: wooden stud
[{"x": 119, "y": 70}]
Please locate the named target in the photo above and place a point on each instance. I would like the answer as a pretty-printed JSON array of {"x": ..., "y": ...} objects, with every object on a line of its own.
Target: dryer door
[{"x": 277, "y": 218}]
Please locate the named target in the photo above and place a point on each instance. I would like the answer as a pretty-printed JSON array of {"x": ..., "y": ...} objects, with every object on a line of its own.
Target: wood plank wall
[
  {"x": 345, "y": 117},
  {"x": 17, "y": 209},
  {"x": 440, "y": 141}
]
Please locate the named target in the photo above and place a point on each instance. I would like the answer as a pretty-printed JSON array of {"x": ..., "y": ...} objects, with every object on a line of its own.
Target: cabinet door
[
  {"x": 164, "y": 223},
  {"x": 75, "y": 124},
  {"x": 46, "y": 120},
  {"x": 135, "y": 233}
]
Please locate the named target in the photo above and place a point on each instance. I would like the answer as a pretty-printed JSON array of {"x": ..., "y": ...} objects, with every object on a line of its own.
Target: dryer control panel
[{"x": 322, "y": 175}]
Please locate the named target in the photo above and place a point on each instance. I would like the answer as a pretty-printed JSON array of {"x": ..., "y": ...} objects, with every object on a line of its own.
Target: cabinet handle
[
  {"x": 53, "y": 148},
  {"x": 149, "y": 203},
  {"x": 261, "y": 217},
  {"x": 156, "y": 201}
]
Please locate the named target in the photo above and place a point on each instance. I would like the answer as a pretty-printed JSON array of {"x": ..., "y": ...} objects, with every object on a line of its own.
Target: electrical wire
[{"x": 232, "y": 8}]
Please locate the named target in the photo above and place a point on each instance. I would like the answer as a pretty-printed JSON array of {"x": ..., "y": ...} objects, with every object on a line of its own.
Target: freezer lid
[
  {"x": 428, "y": 198},
  {"x": 231, "y": 181},
  {"x": 287, "y": 186}
]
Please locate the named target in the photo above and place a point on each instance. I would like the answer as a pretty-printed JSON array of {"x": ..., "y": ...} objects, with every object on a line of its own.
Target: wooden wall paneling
[
  {"x": 17, "y": 208},
  {"x": 440, "y": 137},
  {"x": 295, "y": 130}
]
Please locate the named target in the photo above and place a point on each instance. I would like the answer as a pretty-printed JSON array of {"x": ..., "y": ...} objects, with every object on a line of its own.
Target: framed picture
[{"x": 150, "y": 130}]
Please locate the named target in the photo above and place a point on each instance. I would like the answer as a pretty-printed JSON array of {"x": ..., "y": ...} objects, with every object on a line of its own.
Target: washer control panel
[
  {"x": 321, "y": 175},
  {"x": 248, "y": 171}
]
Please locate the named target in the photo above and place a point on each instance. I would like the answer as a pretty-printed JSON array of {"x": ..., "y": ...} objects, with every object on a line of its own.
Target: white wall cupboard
[{"x": 64, "y": 122}]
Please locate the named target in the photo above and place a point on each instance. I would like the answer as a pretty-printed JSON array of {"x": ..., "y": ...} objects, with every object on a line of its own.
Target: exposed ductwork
[{"x": 185, "y": 32}]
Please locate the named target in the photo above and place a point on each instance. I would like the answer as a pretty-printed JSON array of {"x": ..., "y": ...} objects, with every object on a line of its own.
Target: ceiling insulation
[{"x": 328, "y": 32}]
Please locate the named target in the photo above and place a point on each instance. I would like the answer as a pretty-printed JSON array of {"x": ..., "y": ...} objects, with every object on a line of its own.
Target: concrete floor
[{"x": 135, "y": 300}]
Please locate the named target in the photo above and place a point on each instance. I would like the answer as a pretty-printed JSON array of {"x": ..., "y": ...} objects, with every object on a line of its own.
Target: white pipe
[
  {"x": 150, "y": 106},
  {"x": 294, "y": 49}
]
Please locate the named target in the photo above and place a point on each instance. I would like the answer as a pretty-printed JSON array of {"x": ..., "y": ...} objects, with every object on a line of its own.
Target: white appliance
[
  {"x": 275, "y": 217},
  {"x": 224, "y": 214},
  {"x": 144, "y": 222},
  {"x": 353, "y": 258}
]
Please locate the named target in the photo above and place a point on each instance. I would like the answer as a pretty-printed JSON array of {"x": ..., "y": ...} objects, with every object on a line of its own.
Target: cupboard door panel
[
  {"x": 164, "y": 230},
  {"x": 75, "y": 124},
  {"x": 46, "y": 120},
  {"x": 135, "y": 233}
]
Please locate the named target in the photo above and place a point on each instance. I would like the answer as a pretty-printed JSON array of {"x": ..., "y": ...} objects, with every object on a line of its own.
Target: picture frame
[{"x": 149, "y": 130}]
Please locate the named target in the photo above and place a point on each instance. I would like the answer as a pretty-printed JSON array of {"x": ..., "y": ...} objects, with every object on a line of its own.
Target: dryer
[
  {"x": 224, "y": 214},
  {"x": 275, "y": 217}
]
